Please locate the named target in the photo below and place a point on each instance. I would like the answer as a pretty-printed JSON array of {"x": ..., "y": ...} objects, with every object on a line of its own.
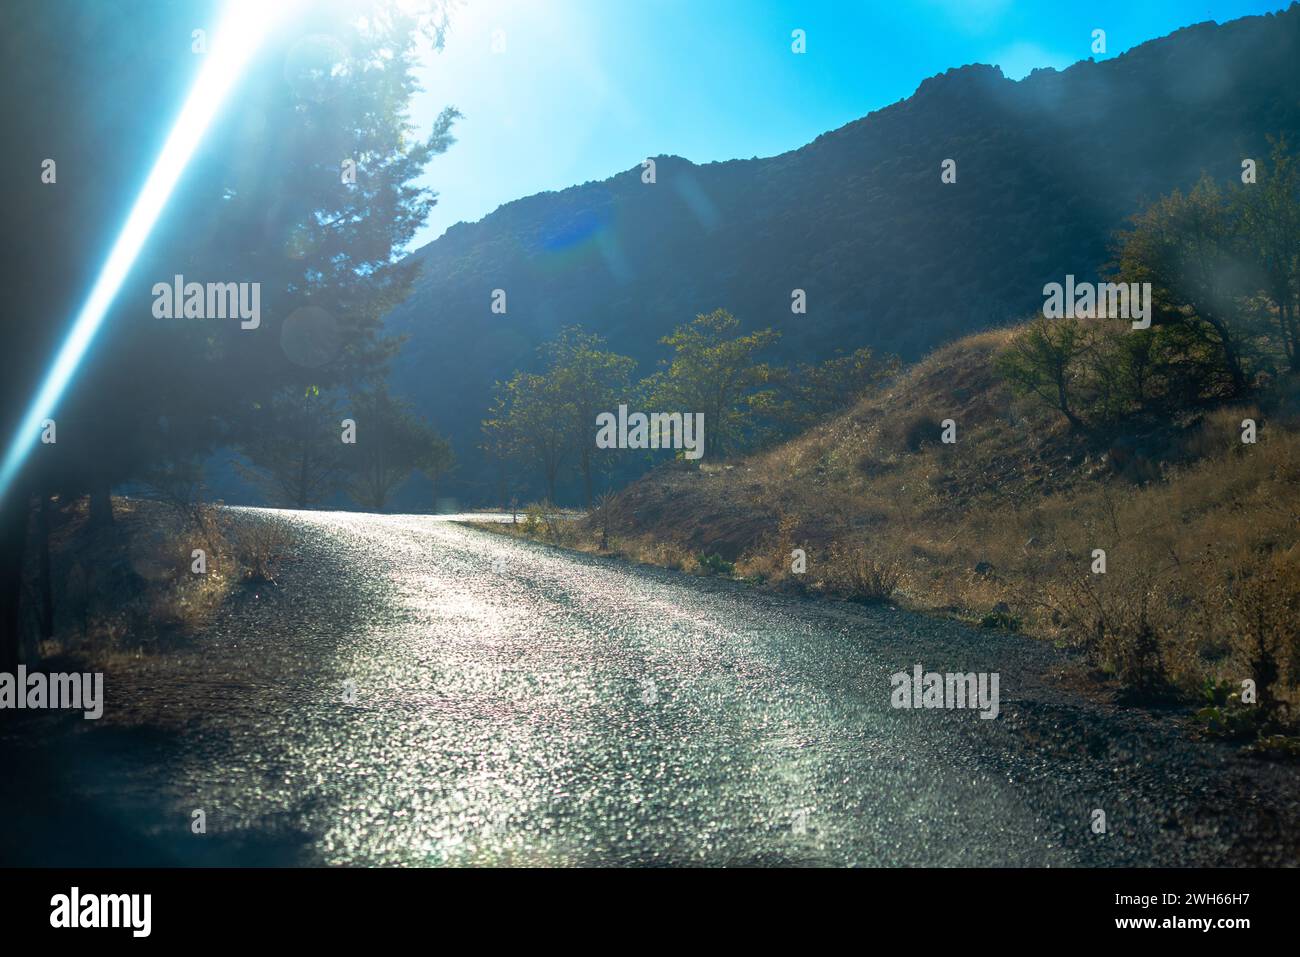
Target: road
[{"x": 419, "y": 692}]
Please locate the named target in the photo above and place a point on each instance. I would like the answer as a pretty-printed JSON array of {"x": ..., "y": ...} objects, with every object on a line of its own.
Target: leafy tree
[
  {"x": 435, "y": 460},
  {"x": 498, "y": 443},
  {"x": 538, "y": 422},
  {"x": 391, "y": 445},
  {"x": 1139, "y": 361},
  {"x": 66, "y": 101},
  {"x": 813, "y": 392},
  {"x": 1223, "y": 268},
  {"x": 717, "y": 372},
  {"x": 1271, "y": 224},
  {"x": 1041, "y": 361},
  {"x": 275, "y": 209},
  {"x": 591, "y": 381},
  {"x": 546, "y": 419},
  {"x": 296, "y": 453},
  {"x": 1187, "y": 246},
  {"x": 262, "y": 201}
]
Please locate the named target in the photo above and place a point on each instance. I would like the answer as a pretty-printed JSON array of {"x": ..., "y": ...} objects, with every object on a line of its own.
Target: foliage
[
  {"x": 1203, "y": 568},
  {"x": 812, "y": 392},
  {"x": 1224, "y": 269},
  {"x": 715, "y": 371},
  {"x": 535, "y": 424},
  {"x": 391, "y": 444},
  {"x": 592, "y": 381},
  {"x": 295, "y": 453},
  {"x": 890, "y": 257},
  {"x": 1042, "y": 362},
  {"x": 716, "y": 565}
]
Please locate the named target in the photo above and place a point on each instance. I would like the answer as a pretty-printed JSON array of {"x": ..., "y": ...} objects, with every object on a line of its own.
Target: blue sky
[{"x": 585, "y": 88}]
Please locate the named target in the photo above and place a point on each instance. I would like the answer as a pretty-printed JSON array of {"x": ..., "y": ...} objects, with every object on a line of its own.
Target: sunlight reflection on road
[{"x": 518, "y": 704}]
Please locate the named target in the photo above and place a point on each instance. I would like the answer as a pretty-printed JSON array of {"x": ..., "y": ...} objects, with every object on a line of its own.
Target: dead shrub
[
  {"x": 861, "y": 577},
  {"x": 1259, "y": 608},
  {"x": 1117, "y": 623},
  {"x": 261, "y": 547}
]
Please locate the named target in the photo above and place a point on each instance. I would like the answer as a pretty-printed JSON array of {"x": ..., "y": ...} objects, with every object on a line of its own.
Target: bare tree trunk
[
  {"x": 586, "y": 478},
  {"x": 1291, "y": 334},
  {"x": 46, "y": 577},
  {"x": 13, "y": 536},
  {"x": 1231, "y": 358},
  {"x": 101, "y": 506},
  {"x": 302, "y": 478}
]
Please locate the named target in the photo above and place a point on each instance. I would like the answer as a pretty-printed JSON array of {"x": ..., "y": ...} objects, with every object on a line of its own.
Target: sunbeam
[{"x": 243, "y": 27}]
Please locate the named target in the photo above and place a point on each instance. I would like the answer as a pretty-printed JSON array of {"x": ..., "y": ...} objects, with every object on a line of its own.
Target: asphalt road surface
[{"x": 418, "y": 692}]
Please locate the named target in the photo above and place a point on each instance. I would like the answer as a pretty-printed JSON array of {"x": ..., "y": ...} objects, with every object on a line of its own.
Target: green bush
[
  {"x": 716, "y": 565},
  {"x": 1000, "y": 618}
]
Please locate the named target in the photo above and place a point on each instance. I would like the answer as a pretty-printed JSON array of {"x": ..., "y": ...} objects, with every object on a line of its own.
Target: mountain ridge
[{"x": 1048, "y": 167}]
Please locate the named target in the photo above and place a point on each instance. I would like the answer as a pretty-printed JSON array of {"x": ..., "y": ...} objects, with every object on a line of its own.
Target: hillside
[
  {"x": 1199, "y": 529},
  {"x": 890, "y": 257}
]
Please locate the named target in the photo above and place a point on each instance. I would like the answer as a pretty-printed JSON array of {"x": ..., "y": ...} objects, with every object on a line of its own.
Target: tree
[
  {"x": 716, "y": 372},
  {"x": 295, "y": 452},
  {"x": 591, "y": 381},
  {"x": 275, "y": 209},
  {"x": 813, "y": 392},
  {"x": 1188, "y": 247},
  {"x": 538, "y": 418},
  {"x": 435, "y": 460},
  {"x": 65, "y": 100},
  {"x": 1271, "y": 223},
  {"x": 391, "y": 444},
  {"x": 262, "y": 202},
  {"x": 498, "y": 443},
  {"x": 1041, "y": 362}
]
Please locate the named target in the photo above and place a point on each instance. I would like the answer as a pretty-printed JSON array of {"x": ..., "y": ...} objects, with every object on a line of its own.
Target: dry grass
[
  {"x": 131, "y": 588},
  {"x": 860, "y": 576},
  {"x": 259, "y": 550},
  {"x": 1199, "y": 529}
]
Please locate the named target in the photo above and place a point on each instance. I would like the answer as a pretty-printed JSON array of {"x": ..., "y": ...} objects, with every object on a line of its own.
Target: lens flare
[{"x": 244, "y": 25}]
